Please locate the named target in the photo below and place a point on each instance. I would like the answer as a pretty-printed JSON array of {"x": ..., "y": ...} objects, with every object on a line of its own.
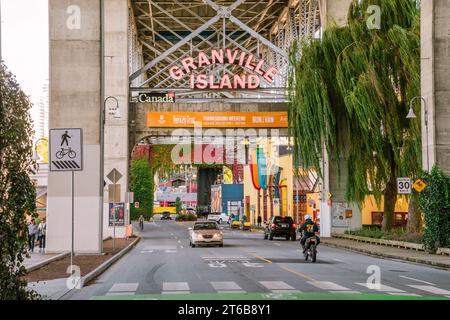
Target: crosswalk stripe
[
  {"x": 225, "y": 286},
  {"x": 430, "y": 289},
  {"x": 404, "y": 294},
  {"x": 327, "y": 285},
  {"x": 276, "y": 285},
  {"x": 175, "y": 286},
  {"x": 123, "y": 289},
  {"x": 383, "y": 288}
]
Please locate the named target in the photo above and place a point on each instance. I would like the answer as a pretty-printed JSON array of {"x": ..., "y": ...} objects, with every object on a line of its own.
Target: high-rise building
[{"x": 41, "y": 126}]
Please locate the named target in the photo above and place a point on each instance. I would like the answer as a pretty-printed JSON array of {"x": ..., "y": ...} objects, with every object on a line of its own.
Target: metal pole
[
  {"x": 102, "y": 124},
  {"x": 1, "y": 57},
  {"x": 73, "y": 224},
  {"x": 114, "y": 219}
]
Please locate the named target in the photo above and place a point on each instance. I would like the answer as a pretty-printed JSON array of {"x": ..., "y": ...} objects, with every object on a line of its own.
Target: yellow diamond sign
[{"x": 419, "y": 185}]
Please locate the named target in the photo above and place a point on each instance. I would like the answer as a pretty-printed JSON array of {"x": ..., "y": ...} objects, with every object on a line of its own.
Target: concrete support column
[
  {"x": 435, "y": 77},
  {"x": 332, "y": 195},
  {"x": 75, "y": 102},
  {"x": 116, "y": 85}
]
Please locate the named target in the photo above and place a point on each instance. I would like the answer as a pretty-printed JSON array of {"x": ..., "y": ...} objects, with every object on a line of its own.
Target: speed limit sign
[{"x": 403, "y": 185}]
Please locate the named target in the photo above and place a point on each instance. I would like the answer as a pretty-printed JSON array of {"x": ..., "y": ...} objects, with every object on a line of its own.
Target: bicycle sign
[{"x": 66, "y": 149}]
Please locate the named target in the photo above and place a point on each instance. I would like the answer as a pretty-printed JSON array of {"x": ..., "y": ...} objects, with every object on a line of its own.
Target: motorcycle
[{"x": 311, "y": 249}]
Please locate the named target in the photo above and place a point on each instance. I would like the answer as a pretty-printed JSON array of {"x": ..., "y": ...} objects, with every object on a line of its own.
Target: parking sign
[{"x": 66, "y": 149}]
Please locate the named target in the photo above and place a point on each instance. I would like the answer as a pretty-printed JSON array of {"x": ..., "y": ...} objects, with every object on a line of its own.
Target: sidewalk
[
  {"x": 389, "y": 252},
  {"x": 37, "y": 259}
]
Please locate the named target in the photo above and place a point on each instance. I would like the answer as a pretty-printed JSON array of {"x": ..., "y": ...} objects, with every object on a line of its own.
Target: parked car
[
  {"x": 219, "y": 217},
  {"x": 205, "y": 233},
  {"x": 166, "y": 216},
  {"x": 280, "y": 227}
]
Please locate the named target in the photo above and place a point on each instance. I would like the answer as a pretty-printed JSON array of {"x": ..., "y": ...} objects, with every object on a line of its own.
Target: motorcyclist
[{"x": 308, "y": 229}]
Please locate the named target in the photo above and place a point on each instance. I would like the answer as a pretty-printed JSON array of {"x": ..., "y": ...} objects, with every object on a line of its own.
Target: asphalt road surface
[{"x": 163, "y": 266}]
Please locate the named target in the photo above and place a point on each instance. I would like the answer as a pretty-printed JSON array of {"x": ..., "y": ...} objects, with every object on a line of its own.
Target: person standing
[
  {"x": 42, "y": 230},
  {"x": 259, "y": 221},
  {"x": 141, "y": 222},
  {"x": 32, "y": 231}
]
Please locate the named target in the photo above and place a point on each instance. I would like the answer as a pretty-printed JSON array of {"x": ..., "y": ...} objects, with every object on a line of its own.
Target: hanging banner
[{"x": 177, "y": 119}]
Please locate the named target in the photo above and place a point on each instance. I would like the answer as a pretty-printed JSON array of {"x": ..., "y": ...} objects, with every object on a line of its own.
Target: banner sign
[
  {"x": 218, "y": 119},
  {"x": 117, "y": 213},
  {"x": 157, "y": 97}
]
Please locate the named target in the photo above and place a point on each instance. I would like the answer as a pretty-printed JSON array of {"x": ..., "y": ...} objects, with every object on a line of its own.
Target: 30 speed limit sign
[{"x": 404, "y": 185}]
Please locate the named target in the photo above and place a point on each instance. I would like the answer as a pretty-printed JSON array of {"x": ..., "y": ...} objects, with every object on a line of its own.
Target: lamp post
[
  {"x": 412, "y": 115},
  {"x": 35, "y": 154},
  {"x": 116, "y": 113}
]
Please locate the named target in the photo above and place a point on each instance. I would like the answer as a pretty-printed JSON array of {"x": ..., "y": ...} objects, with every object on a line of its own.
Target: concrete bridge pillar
[
  {"x": 75, "y": 102},
  {"x": 435, "y": 78},
  {"x": 334, "y": 211}
]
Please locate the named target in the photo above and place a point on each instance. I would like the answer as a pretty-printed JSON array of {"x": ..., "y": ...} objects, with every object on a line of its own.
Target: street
[{"x": 163, "y": 266}]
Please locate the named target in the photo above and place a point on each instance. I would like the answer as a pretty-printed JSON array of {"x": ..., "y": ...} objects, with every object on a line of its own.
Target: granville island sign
[{"x": 255, "y": 67}]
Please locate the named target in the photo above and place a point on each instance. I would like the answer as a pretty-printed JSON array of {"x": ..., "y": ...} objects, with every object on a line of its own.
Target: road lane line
[
  {"x": 298, "y": 273},
  {"x": 404, "y": 294},
  {"x": 382, "y": 288},
  {"x": 429, "y": 283},
  {"x": 328, "y": 285},
  {"x": 259, "y": 257},
  {"x": 431, "y": 289}
]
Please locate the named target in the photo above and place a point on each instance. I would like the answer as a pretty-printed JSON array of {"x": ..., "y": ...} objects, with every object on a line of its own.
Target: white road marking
[
  {"x": 175, "y": 292},
  {"x": 382, "y": 288},
  {"x": 431, "y": 289},
  {"x": 146, "y": 251},
  {"x": 226, "y": 286},
  {"x": 181, "y": 247},
  {"x": 429, "y": 283},
  {"x": 340, "y": 291},
  {"x": 176, "y": 286},
  {"x": 123, "y": 289},
  {"x": 333, "y": 259},
  {"x": 120, "y": 294},
  {"x": 276, "y": 285},
  {"x": 326, "y": 285},
  {"x": 225, "y": 258},
  {"x": 404, "y": 294},
  {"x": 170, "y": 251}
]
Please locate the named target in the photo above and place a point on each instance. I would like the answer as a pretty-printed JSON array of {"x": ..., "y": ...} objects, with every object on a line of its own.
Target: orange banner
[{"x": 178, "y": 119}]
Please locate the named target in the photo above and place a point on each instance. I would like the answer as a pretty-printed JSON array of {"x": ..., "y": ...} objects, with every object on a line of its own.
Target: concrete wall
[
  {"x": 74, "y": 97},
  {"x": 116, "y": 85},
  {"x": 435, "y": 78}
]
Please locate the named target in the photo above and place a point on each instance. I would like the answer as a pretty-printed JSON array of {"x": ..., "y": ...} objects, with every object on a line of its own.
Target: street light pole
[{"x": 412, "y": 115}]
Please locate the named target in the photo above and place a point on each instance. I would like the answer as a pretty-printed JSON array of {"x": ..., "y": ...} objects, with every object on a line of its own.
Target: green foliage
[
  {"x": 142, "y": 184},
  {"x": 350, "y": 91},
  {"x": 434, "y": 201},
  {"x": 178, "y": 205},
  {"x": 398, "y": 234},
  {"x": 17, "y": 192}
]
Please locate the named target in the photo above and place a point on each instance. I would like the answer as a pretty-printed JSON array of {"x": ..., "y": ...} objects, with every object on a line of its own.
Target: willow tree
[
  {"x": 350, "y": 92},
  {"x": 17, "y": 192}
]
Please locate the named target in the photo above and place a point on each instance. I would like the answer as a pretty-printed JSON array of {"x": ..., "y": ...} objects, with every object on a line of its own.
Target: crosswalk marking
[
  {"x": 327, "y": 285},
  {"x": 175, "y": 286},
  {"x": 277, "y": 285},
  {"x": 383, "y": 288},
  {"x": 123, "y": 289},
  {"x": 226, "y": 286},
  {"x": 404, "y": 294},
  {"x": 418, "y": 280},
  {"x": 340, "y": 291},
  {"x": 430, "y": 289}
]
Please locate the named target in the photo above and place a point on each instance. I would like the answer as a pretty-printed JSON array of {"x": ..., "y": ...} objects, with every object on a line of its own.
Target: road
[{"x": 163, "y": 266}]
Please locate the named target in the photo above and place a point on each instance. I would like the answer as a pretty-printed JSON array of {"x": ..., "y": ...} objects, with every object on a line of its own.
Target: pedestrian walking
[
  {"x": 259, "y": 221},
  {"x": 32, "y": 232},
  {"x": 42, "y": 231},
  {"x": 141, "y": 222}
]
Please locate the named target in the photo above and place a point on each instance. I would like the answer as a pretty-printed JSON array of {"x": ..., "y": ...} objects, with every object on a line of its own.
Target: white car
[
  {"x": 205, "y": 233},
  {"x": 219, "y": 218}
]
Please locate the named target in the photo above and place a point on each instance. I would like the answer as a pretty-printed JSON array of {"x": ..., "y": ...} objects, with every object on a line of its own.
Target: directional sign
[
  {"x": 419, "y": 185},
  {"x": 114, "y": 175},
  {"x": 403, "y": 185},
  {"x": 66, "y": 149}
]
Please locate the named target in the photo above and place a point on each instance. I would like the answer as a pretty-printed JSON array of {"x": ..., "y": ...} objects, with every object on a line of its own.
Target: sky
[{"x": 25, "y": 45}]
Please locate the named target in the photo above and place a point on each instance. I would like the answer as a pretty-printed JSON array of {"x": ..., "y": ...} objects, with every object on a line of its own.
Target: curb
[
  {"x": 105, "y": 265},
  {"x": 389, "y": 256},
  {"x": 45, "y": 262}
]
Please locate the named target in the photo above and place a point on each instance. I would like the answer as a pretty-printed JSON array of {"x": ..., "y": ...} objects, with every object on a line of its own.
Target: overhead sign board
[
  {"x": 176, "y": 119},
  {"x": 66, "y": 149},
  {"x": 157, "y": 97},
  {"x": 256, "y": 70},
  {"x": 403, "y": 185}
]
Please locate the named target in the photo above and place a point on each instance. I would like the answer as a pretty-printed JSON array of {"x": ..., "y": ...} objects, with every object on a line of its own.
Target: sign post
[
  {"x": 114, "y": 176},
  {"x": 66, "y": 154}
]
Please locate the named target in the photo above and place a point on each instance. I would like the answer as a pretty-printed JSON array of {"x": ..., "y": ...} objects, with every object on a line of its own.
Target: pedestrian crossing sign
[
  {"x": 66, "y": 146},
  {"x": 419, "y": 185}
]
